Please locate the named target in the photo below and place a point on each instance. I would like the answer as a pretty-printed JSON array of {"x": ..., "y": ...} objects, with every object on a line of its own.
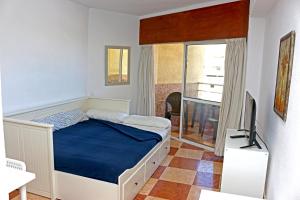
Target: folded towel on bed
[
  {"x": 152, "y": 121},
  {"x": 107, "y": 115}
]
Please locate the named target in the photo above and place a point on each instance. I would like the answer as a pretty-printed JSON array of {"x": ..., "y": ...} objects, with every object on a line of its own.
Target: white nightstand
[{"x": 244, "y": 170}]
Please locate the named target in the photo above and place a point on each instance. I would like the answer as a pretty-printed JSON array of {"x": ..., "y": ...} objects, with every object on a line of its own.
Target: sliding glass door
[{"x": 202, "y": 93}]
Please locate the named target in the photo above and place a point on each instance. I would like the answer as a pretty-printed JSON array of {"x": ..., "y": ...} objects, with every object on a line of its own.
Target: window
[
  {"x": 117, "y": 64},
  {"x": 203, "y": 88},
  {"x": 205, "y": 71}
]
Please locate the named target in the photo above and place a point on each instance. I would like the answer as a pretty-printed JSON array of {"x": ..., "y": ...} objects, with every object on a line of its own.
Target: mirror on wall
[{"x": 117, "y": 65}]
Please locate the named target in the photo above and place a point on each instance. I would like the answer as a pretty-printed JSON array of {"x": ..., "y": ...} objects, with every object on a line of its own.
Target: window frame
[
  {"x": 207, "y": 42},
  {"x": 121, "y": 48}
]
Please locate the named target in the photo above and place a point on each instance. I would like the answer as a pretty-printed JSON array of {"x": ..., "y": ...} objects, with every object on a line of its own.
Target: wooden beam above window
[{"x": 223, "y": 21}]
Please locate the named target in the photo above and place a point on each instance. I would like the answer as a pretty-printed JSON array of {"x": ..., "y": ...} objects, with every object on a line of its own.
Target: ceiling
[
  {"x": 143, "y": 7},
  {"x": 259, "y": 8}
]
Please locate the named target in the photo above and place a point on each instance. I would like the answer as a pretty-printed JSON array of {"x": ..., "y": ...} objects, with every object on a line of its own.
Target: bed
[
  {"x": 103, "y": 150},
  {"x": 129, "y": 153}
]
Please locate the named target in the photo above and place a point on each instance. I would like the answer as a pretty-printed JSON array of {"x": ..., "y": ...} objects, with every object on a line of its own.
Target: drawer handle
[
  {"x": 136, "y": 183},
  {"x": 154, "y": 163}
]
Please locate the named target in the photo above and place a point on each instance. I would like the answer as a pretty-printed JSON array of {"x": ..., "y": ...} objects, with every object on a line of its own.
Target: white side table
[
  {"x": 212, "y": 195},
  {"x": 14, "y": 179},
  {"x": 244, "y": 170}
]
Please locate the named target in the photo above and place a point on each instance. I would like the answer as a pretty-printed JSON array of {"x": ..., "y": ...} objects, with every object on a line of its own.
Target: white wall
[
  {"x": 3, "y": 194},
  {"x": 110, "y": 28},
  {"x": 2, "y": 144},
  {"x": 283, "y": 138},
  {"x": 43, "y": 52},
  {"x": 255, "y": 56}
]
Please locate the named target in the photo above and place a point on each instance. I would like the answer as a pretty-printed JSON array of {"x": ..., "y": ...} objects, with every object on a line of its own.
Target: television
[{"x": 249, "y": 122}]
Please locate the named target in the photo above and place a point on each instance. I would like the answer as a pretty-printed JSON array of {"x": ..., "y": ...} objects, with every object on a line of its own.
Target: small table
[
  {"x": 212, "y": 195},
  {"x": 244, "y": 170},
  {"x": 13, "y": 179}
]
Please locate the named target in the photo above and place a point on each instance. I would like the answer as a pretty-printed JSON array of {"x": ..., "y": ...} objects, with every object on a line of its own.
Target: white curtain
[
  {"x": 146, "y": 87},
  {"x": 233, "y": 92}
]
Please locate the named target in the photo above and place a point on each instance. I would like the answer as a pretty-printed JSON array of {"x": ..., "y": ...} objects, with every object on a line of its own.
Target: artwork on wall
[{"x": 284, "y": 73}]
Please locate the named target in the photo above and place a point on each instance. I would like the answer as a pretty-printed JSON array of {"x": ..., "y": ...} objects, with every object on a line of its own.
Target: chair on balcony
[
  {"x": 202, "y": 109},
  {"x": 212, "y": 117},
  {"x": 208, "y": 113},
  {"x": 173, "y": 101}
]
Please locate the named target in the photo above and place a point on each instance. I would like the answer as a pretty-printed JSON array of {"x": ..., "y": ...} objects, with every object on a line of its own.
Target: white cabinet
[{"x": 244, "y": 170}]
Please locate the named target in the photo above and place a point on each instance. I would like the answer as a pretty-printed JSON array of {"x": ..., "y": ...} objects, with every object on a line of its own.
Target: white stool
[{"x": 19, "y": 165}]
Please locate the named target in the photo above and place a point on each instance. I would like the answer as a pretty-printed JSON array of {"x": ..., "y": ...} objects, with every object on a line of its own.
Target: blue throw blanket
[{"x": 101, "y": 150}]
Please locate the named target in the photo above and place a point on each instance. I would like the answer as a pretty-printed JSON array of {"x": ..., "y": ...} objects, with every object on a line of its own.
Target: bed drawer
[
  {"x": 133, "y": 185},
  {"x": 165, "y": 149},
  {"x": 152, "y": 164}
]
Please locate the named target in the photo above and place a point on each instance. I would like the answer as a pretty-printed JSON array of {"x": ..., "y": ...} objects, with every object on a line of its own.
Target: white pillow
[
  {"x": 64, "y": 119},
  {"x": 107, "y": 115},
  {"x": 152, "y": 121}
]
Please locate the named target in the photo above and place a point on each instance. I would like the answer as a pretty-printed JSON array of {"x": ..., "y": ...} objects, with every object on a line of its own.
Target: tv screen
[
  {"x": 250, "y": 118},
  {"x": 248, "y": 111}
]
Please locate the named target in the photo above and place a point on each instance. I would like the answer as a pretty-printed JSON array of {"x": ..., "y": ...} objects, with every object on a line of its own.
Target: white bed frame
[{"x": 32, "y": 143}]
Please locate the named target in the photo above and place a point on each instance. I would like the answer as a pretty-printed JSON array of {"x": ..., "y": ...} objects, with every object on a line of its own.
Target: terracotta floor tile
[
  {"x": 35, "y": 197},
  {"x": 175, "y": 133},
  {"x": 15, "y": 198},
  {"x": 167, "y": 161},
  {"x": 140, "y": 197},
  {"x": 173, "y": 151},
  {"x": 148, "y": 186},
  {"x": 158, "y": 172},
  {"x": 13, "y": 194},
  {"x": 210, "y": 156},
  {"x": 175, "y": 143},
  {"x": 189, "y": 153},
  {"x": 210, "y": 167},
  {"x": 170, "y": 190},
  {"x": 154, "y": 198},
  {"x": 185, "y": 163},
  {"x": 207, "y": 180},
  {"x": 188, "y": 146},
  {"x": 178, "y": 175},
  {"x": 194, "y": 193},
  {"x": 31, "y": 197}
]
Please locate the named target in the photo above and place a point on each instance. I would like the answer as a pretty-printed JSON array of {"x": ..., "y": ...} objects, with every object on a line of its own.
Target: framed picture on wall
[{"x": 284, "y": 74}]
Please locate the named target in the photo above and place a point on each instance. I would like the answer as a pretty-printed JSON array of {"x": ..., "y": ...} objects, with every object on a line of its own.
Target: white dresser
[{"x": 244, "y": 170}]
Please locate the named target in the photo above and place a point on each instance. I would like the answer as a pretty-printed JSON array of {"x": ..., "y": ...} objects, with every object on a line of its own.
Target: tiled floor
[
  {"x": 207, "y": 138},
  {"x": 181, "y": 176},
  {"x": 192, "y": 134}
]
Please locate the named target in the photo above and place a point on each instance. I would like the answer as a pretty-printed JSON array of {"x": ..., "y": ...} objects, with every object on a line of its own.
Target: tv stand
[
  {"x": 255, "y": 144},
  {"x": 245, "y": 136},
  {"x": 245, "y": 130},
  {"x": 238, "y": 136},
  {"x": 244, "y": 170}
]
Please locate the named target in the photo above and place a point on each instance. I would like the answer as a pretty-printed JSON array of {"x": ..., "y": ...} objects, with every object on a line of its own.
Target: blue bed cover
[{"x": 101, "y": 150}]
